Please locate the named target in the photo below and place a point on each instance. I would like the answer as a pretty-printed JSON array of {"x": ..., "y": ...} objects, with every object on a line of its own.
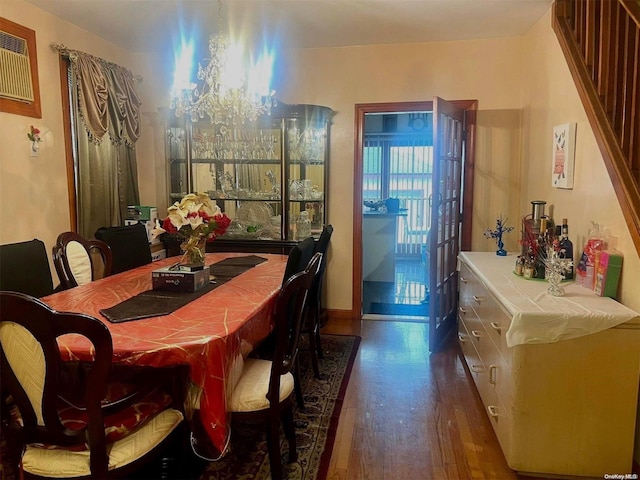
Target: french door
[{"x": 446, "y": 215}]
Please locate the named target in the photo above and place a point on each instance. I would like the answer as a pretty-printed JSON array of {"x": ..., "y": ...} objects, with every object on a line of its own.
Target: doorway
[
  {"x": 397, "y": 165},
  {"x": 412, "y": 118}
]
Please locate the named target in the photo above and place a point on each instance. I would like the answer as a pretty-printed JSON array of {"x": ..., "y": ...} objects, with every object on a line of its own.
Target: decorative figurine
[
  {"x": 556, "y": 268},
  {"x": 501, "y": 228}
]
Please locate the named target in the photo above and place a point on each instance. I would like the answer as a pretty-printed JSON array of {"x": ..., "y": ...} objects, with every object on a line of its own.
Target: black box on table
[{"x": 175, "y": 279}]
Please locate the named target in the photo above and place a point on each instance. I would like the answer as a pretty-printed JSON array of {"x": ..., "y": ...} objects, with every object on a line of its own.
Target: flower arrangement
[
  {"x": 34, "y": 136},
  {"x": 196, "y": 220},
  {"x": 496, "y": 234}
]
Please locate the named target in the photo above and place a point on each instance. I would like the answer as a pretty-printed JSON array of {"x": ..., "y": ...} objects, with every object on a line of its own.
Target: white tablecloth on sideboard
[{"x": 538, "y": 317}]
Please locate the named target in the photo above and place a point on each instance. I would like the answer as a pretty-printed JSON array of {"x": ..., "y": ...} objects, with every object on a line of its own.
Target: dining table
[{"x": 211, "y": 334}]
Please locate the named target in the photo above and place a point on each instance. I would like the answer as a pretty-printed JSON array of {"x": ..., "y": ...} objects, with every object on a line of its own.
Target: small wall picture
[{"x": 564, "y": 142}]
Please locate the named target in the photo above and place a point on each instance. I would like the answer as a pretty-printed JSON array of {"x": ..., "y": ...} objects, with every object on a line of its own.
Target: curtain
[{"x": 105, "y": 112}]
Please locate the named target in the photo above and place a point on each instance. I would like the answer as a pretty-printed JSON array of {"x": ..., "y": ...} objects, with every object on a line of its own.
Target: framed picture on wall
[{"x": 563, "y": 158}]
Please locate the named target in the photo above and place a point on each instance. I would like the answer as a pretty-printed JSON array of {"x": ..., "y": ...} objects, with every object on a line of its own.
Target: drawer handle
[
  {"x": 492, "y": 411},
  {"x": 493, "y": 369},
  {"x": 496, "y": 327},
  {"x": 478, "y": 298},
  {"x": 463, "y": 310},
  {"x": 462, "y": 279},
  {"x": 476, "y": 334},
  {"x": 461, "y": 338},
  {"x": 476, "y": 368}
]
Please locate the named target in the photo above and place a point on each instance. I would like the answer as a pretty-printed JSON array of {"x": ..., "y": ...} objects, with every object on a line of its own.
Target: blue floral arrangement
[{"x": 496, "y": 234}]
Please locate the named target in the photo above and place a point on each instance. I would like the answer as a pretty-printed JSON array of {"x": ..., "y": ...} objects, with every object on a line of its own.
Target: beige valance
[{"x": 108, "y": 101}]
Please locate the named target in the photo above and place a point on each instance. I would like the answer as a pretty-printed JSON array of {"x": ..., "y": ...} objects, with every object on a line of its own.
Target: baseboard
[
  {"x": 340, "y": 322},
  {"x": 338, "y": 314}
]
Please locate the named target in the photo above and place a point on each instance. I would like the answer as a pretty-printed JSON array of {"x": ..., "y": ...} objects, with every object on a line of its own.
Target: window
[
  {"x": 18, "y": 50},
  {"x": 401, "y": 166}
]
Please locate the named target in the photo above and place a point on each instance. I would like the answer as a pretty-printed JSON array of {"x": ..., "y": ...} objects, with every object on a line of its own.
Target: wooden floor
[{"x": 409, "y": 414}]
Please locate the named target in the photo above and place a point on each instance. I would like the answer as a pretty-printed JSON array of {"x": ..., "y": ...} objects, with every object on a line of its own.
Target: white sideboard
[{"x": 562, "y": 403}]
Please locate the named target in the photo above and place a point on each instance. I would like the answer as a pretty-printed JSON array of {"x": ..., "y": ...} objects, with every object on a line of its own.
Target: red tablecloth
[{"x": 209, "y": 333}]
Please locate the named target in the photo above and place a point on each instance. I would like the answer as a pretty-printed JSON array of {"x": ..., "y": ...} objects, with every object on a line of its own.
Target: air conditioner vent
[{"x": 15, "y": 70}]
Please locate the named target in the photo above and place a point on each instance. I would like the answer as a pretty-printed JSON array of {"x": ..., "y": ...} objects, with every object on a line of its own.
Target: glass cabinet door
[
  {"x": 307, "y": 175},
  {"x": 176, "y": 146}
]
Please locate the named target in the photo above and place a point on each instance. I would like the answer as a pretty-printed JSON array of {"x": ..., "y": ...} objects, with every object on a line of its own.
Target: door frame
[{"x": 470, "y": 107}]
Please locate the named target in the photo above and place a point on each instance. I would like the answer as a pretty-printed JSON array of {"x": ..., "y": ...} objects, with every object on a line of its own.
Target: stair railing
[{"x": 601, "y": 43}]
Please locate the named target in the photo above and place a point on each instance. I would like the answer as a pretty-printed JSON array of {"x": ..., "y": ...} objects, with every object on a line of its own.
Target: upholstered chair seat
[{"x": 251, "y": 390}]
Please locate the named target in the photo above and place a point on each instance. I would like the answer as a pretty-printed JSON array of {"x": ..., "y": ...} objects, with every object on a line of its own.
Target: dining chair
[
  {"x": 24, "y": 267},
  {"x": 265, "y": 389},
  {"x": 299, "y": 257},
  {"x": 315, "y": 319},
  {"x": 60, "y": 439},
  {"x": 75, "y": 261},
  {"x": 129, "y": 246}
]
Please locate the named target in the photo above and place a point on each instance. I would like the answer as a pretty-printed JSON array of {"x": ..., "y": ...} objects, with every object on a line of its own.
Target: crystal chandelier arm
[{"x": 222, "y": 93}]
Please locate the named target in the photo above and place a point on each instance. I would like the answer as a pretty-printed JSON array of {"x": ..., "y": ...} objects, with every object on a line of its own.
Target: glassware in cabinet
[{"x": 263, "y": 174}]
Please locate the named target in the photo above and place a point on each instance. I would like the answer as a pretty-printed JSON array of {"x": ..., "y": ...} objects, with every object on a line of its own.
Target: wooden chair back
[
  {"x": 75, "y": 262},
  {"x": 289, "y": 312},
  {"x": 31, "y": 368},
  {"x": 299, "y": 257},
  {"x": 321, "y": 246}
]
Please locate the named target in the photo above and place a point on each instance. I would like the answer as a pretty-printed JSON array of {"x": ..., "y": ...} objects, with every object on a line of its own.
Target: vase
[
  {"x": 501, "y": 251},
  {"x": 194, "y": 250}
]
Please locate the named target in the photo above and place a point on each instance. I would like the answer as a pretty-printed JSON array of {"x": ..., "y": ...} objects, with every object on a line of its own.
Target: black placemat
[{"x": 155, "y": 303}]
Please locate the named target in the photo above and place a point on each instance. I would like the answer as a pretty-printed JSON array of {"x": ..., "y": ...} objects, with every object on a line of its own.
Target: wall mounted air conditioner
[{"x": 15, "y": 69}]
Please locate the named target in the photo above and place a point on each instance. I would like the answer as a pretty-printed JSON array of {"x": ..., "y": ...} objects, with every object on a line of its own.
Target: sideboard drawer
[
  {"x": 470, "y": 353},
  {"x": 502, "y": 423},
  {"x": 496, "y": 323}
]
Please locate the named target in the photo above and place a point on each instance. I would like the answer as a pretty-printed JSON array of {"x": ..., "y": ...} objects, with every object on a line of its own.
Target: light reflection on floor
[{"x": 409, "y": 287}]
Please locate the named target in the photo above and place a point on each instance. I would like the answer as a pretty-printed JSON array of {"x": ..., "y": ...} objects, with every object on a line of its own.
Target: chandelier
[{"x": 225, "y": 91}]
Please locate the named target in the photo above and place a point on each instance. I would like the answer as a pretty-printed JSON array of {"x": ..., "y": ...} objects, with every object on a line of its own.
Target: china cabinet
[
  {"x": 558, "y": 376},
  {"x": 269, "y": 176}
]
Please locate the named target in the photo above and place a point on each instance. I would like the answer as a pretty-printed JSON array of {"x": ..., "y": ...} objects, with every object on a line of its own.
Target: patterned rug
[{"x": 315, "y": 425}]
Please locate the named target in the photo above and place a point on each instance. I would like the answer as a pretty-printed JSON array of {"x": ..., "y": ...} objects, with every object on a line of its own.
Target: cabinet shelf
[
  {"x": 261, "y": 161},
  {"x": 247, "y": 199}
]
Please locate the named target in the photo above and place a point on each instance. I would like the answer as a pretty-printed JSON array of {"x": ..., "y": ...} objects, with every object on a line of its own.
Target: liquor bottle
[
  {"x": 566, "y": 248},
  {"x": 540, "y": 267}
]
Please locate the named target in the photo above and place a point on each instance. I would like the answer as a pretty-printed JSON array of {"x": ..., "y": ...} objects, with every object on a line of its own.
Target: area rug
[
  {"x": 316, "y": 425},
  {"x": 412, "y": 310}
]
